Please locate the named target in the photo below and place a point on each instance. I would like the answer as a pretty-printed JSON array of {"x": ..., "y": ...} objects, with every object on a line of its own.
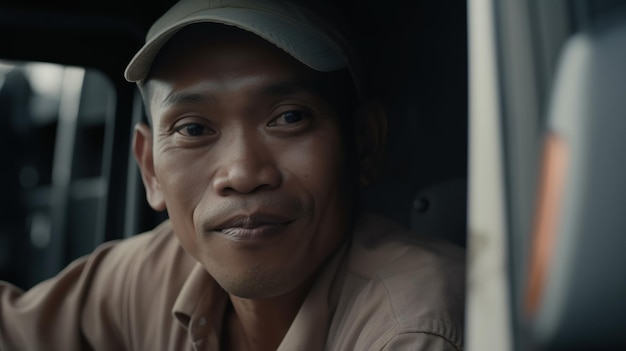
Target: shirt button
[{"x": 202, "y": 321}]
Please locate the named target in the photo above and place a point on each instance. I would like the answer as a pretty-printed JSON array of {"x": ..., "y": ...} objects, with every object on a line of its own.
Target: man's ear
[
  {"x": 371, "y": 124},
  {"x": 142, "y": 148}
]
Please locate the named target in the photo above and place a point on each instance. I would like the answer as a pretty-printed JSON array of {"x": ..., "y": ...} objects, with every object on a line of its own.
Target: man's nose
[{"x": 246, "y": 164}]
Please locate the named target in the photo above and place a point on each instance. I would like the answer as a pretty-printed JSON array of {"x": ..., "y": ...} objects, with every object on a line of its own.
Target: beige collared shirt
[{"x": 385, "y": 290}]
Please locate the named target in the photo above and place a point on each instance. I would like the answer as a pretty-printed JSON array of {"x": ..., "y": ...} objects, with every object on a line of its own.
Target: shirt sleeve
[
  {"x": 420, "y": 342},
  {"x": 53, "y": 315}
]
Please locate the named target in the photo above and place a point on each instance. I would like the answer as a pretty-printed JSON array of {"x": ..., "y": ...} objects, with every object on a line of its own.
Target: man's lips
[
  {"x": 252, "y": 221},
  {"x": 253, "y": 226}
]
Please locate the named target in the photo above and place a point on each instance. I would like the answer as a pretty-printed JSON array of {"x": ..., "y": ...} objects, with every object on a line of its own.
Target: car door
[{"x": 546, "y": 190}]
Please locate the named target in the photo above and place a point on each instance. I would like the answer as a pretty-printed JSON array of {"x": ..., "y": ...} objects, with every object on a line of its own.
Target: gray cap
[{"x": 291, "y": 28}]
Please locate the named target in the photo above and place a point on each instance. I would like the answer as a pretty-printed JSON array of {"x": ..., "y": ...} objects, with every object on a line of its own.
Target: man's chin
[{"x": 258, "y": 284}]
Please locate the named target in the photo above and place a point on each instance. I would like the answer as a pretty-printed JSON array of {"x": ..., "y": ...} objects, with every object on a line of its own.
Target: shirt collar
[
  {"x": 310, "y": 327},
  {"x": 201, "y": 303},
  {"x": 200, "y": 307}
]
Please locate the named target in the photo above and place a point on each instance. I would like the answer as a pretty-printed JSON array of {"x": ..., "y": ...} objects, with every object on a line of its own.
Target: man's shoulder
[
  {"x": 404, "y": 283},
  {"x": 141, "y": 262},
  {"x": 382, "y": 247},
  {"x": 135, "y": 282}
]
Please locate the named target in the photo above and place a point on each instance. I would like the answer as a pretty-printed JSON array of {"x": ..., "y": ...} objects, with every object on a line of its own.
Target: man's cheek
[
  {"x": 312, "y": 158},
  {"x": 181, "y": 189}
]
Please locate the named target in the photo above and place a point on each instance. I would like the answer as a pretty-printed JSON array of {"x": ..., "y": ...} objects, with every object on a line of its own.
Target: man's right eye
[{"x": 192, "y": 130}]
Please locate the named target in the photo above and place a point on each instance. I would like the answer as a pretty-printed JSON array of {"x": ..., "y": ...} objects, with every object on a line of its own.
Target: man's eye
[
  {"x": 192, "y": 130},
  {"x": 288, "y": 117}
]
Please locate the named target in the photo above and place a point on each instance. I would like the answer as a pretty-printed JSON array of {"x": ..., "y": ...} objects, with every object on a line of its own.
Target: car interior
[
  {"x": 70, "y": 114},
  {"x": 461, "y": 162}
]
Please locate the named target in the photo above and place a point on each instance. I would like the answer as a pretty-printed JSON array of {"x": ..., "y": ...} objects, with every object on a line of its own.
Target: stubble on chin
[{"x": 257, "y": 282}]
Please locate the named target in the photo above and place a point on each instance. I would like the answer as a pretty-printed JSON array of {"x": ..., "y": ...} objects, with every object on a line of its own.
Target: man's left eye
[{"x": 288, "y": 117}]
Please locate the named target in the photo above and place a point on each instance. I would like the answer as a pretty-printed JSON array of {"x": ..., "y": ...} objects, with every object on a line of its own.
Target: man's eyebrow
[{"x": 186, "y": 98}]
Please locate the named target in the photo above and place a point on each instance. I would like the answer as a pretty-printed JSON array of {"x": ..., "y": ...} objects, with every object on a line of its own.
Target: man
[{"x": 259, "y": 133}]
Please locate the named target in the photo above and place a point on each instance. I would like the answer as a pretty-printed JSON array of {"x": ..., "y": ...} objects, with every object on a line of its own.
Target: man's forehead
[{"x": 204, "y": 92}]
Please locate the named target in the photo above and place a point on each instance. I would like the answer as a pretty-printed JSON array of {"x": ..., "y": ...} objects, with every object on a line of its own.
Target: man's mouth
[{"x": 256, "y": 226}]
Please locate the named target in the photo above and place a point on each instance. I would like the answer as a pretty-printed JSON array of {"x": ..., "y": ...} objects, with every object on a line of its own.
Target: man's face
[{"x": 249, "y": 162}]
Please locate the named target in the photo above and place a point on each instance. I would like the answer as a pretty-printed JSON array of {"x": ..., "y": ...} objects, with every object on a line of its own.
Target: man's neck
[{"x": 261, "y": 324}]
